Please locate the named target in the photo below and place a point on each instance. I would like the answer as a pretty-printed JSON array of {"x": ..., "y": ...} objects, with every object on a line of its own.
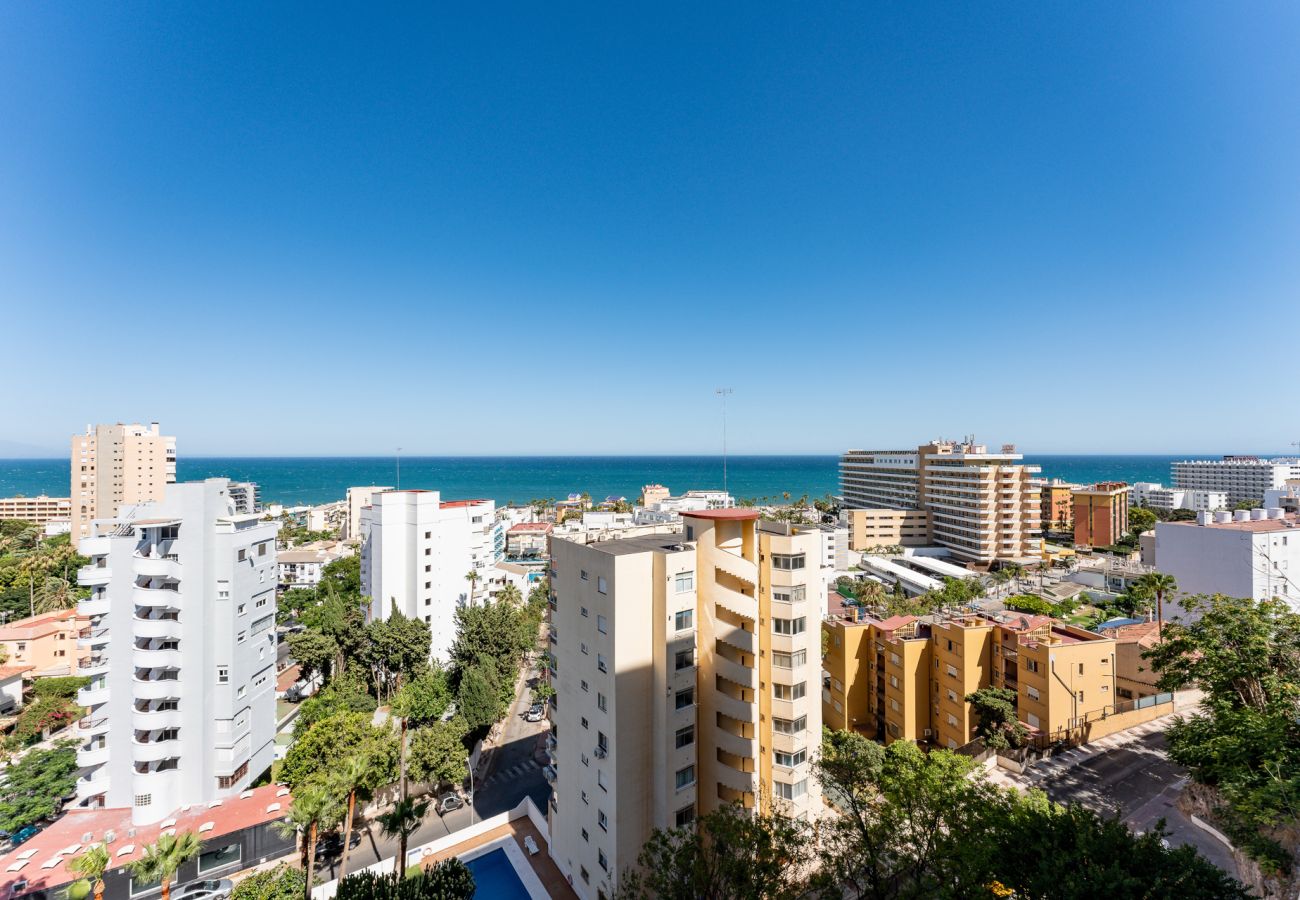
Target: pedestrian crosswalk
[
  {"x": 529, "y": 765},
  {"x": 1045, "y": 771}
]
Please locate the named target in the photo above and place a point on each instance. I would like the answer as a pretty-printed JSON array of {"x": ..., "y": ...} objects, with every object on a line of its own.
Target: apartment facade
[
  {"x": 876, "y": 527},
  {"x": 47, "y": 643},
  {"x": 37, "y": 510},
  {"x": 1154, "y": 495},
  {"x": 684, "y": 667},
  {"x": 983, "y": 506},
  {"x": 181, "y": 634},
  {"x": 1057, "y": 501},
  {"x": 1100, "y": 514},
  {"x": 246, "y": 496},
  {"x": 1242, "y": 478},
  {"x": 303, "y": 566},
  {"x": 907, "y": 679},
  {"x": 358, "y": 498},
  {"x": 1246, "y": 553},
  {"x": 118, "y": 465},
  {"x": 416, "y": 553}
]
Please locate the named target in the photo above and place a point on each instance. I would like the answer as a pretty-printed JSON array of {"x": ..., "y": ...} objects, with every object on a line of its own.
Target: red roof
[
  {"x": 456, "y": 504},
  {"x": 530, "y": 526},
  {"x": 7, "y": 672},
  {"x": 895, "y": 622},
  {"x": 225, "y": 817},
  {"x": 722, "y": 514}
]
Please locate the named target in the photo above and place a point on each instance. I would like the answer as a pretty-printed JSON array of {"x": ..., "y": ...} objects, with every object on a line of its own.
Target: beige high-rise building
[
  {"x": 983, "y": 506},
  {"x": 118, "y": 465},
  {"x": 685, "y": 667}
]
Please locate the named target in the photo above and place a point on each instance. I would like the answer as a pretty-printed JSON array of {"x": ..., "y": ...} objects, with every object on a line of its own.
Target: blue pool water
[{"x": 495, "y": 878}]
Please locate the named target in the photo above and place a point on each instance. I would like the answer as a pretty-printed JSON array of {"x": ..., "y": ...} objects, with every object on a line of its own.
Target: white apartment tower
[
  {"x": 982, "y": 505},
  {"x": 416, "y": 553},
  {"x": 686, "y": 670},
  {"x": 1242, "y": 478},
  {"x": 118, "y": 465},
  {"x": 181, "y": 706}
]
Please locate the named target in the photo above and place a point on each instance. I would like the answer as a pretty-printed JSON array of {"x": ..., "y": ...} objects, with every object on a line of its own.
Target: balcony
[
  {"x": 742, "y": 605},
  {"x": 154, "y": 751},
  {"x": 156, "y": 659},
  {"x": 736, "y": 565},
  {"x": 735, "y": 636},
  {"x": 735, "y": 672},
  {"x": 550, "y": 773},
  {"x": 156, "y": 566},
  {"x": 93, "y": 695},
  {"x": 94, "y": 606},
  {"x": 91, "y": 575},
  {"x": 93, "y": 665},
  {"x": 744, "y": 782},
  {"x": 90, "y": 726},
  {"x": 93, "y": 784},
  {"x": 94, "y": 637},
  {"x": 95, "y": 546},
  {"x": 166, "y": 598},
  {"x": 734, "y": 703},
  {"x": 738, "y": 745},
  {"x": 156, "y": 689},
  {"x": 92, "y": 756},
  {"x": 156, "y": 628}
]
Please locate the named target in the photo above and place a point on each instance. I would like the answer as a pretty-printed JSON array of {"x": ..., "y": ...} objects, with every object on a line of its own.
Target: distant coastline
[{"x": 312, "y": 480}]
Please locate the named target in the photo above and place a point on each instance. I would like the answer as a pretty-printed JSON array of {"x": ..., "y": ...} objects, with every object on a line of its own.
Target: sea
[{"x": 297, "y": 481}]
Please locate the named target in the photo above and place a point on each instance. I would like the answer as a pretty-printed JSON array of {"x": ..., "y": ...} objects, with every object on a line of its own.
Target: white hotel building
[
  {"x": 181, "y": 705},
  {"x": 1246, "y": 553},
  {"x": 1242, "y": 478},
  {"x": 416, "y": 552}
]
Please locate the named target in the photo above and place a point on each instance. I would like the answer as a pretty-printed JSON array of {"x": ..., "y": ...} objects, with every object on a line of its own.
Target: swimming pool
[{"x": 494, "y": 877}]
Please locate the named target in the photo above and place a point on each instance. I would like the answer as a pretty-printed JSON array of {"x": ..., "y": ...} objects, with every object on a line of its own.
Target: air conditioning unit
[
  {"x": 929, "y": 732},
  {"x": 600, "y": 753}
]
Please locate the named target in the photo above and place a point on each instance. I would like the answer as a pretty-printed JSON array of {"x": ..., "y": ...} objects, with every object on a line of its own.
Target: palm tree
[
  {"x": 350, "y": 778},
  {"x": 162, "y": 858},
  {"x": 62, "y": 555},
  {"x": 314, "y": 806},
  {"x": 1159, "y": 584},
  {"x": 55, "y": 595},
  {"x": 92, "y": 864},
  {"x": 472, "y": 577},
  {"x": 401, "y": 822},
  {"x": 510, "y": 594},
  {"x": 29, "y": 566}
]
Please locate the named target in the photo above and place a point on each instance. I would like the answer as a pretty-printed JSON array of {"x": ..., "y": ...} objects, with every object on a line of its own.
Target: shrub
[{"x": 448, "y": 880}]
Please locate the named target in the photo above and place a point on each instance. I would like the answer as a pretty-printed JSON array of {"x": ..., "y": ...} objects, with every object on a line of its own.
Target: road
[
  {"x": 513, "y": 772},
  {"x": 1136, "y": 781}
]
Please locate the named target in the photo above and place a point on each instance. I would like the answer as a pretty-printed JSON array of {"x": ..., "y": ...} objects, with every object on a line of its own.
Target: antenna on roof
[{"x": 724, "y": 392}]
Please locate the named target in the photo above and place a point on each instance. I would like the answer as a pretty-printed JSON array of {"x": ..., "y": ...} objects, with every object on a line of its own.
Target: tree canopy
[
  {"x": 325, "y": 746},
  {"x": 448, "y": 880},
  {"x": 33, "y": 788}
]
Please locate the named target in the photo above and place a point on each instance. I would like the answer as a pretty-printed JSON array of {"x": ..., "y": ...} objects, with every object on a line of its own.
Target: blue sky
[{"x": 557, "y": 227}]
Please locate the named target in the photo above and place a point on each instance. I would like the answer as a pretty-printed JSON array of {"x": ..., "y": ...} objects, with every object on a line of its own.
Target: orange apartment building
[
  {"x": 870, "y": 528},
  {"x": 1100, "y": 513},
  {"x": 47, "y": 643},
  {"x": 1057, "y": 497},
  {"x": 906, "y": 678}
]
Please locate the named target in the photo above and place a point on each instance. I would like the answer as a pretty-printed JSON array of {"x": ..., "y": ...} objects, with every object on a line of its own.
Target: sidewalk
[{"x": 1038, "y": 773}]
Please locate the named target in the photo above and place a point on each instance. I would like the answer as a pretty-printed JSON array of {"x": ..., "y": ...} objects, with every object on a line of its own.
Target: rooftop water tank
[
  {"x": 1241, "y": 515},
  {"x": 1223, "y": 516},
  {"x": 1256, "y": 515}
]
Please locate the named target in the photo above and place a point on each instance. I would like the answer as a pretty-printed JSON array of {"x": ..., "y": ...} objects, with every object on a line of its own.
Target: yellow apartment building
[
  {"x": 37, "y": 510},
  {"x": 118, "y": 465},
  {"x": 1057, "y": 497},
  {"x": 870, "y": 528}
]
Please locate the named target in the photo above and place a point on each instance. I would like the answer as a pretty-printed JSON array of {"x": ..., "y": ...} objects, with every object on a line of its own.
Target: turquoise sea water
[{"x": 300, "y": 480}]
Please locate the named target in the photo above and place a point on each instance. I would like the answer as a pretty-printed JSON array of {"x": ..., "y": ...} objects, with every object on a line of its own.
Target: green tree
[
  {"x": 1030, "y": 603},
  {"x": 54, "y": 595},
  {"x": 1158, "y": 584},
  {"x": 33, "y": 788},
  {"x": 324, "y": 747},
  {"x": 161, "y": 859},
  {"x": 91, "y": 865},
  {"x": 314, "y": 652},
  {"x": 284, "y": 882},
  {"x": 730, "y": 853},
  {"x": 401, "y": 822},
  {"x": 350, "y": 779},
  {"x": 479, "y": 698},
  {"x": 397, "y": 648},
  {"x": 315, "y": 808},
  {"x": 345, "y": 692},
  {"x": 437, "y": 753},
  {"x": 998, "y": 726},
  {"x": 448, "y": 880},
  {"x": 425, "y": 697}
]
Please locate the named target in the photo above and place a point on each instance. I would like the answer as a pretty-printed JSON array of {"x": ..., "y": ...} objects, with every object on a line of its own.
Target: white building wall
[
  {"x": 181, "y": 706},
  {"x": 1207, "y": 559}
]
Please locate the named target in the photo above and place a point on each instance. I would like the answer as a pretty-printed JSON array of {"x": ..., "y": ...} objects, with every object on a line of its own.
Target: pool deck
[{"x": 546, "y": 871}]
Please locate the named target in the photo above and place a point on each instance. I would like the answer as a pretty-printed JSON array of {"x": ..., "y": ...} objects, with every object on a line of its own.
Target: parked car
[
  {"x": 331, "y": 845},
  {"x": 25, "y": 833},
  {"x": 210, "y": 889},
  {"x": 535, "y": 713},
  {"x": 449, "y": 802}
]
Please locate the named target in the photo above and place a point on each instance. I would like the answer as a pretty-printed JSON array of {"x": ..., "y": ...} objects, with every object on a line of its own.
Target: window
[
  {"x": 685, "y": 736},
  {"x": 261, "y": 548},
  {"x": 684, "y": 659},
  {"x": 220, "y": 857},
  {"x": 685, "y": 777},
  {"x": 790, "y": 760},
  {"x": 1032, "y": 692},
  {"x": 584, "y": 685},
  {"x": 602, "y": 820},
  {"x": 600, "y": 701},
  {"x": 1080, "y": 668},
  {"x": 788, "y": 726},
  {"x": 601, "y": 587},
  {"x": 143, "y": 799},
  {"x": 789, "y": 660},
  {"x": 241, "y": 637},
  {"x": 684, "y": 581},
  {"x": 582, "y": 573},
  {"x": 952, "y": 672},
  {"x": 684, "y": 698},
  {"x": 600, "y": 662},
  {"x": 787, "y": 561},
  {"x": 894, "y": 658},
  {"x": 1080, "y": 696},
  {"x": 241, "y": 609},
  {"x": 683, "y": 619},
  {"x": 952, "y": 696},
  {"x": 584, "y": 835},
  {"x": 1031, "y": 665},
  {"x": 582, "y": 870},
  {"x": 602, "y": 859},
  {"x": 223, "y": 674},
  {"x": 792, "y": 594},
  {"x": 790, "y": 691},
  {"x": 584, "y": 721},
  {"x": 243, "y": 689},
  {"x": 584, "y": 611},
  {"x": 790, "y": 626},
  {"x": 685, "y": 816},
  {"x": 601, "y": 625},
  {"x": 952, "y": 720},
  {"x": 600, "y": 781},
  {"x": 243, "y": 555},
  {"x": 262, "y": 624},
  {"x": 582, "y": 645},
  {"x": 794, "y": 791}
]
